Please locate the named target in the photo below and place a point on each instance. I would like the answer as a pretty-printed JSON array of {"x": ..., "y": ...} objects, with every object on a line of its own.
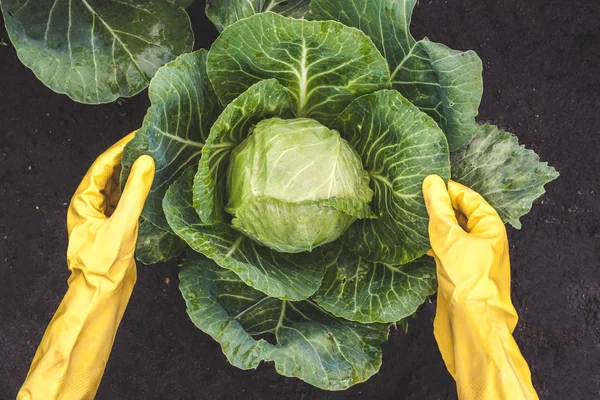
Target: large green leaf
[
  {"x": 184, "y": 107},
  {"x": 265, "y": 99},
  {"x": 509, "y": 176},
  {"x": 96, "y": 51},
  {"x": 445, "y": 83},
  {"x": 225, "y": 12},
  {"x": 324, "y": 65},
  {"x": 155, "y": 245},
  {"x": 365, "y": 291},
  {"x": 399, "y": 146},
  {"x": 285, "y": 276},
  {"x": 312, "y": 345}
]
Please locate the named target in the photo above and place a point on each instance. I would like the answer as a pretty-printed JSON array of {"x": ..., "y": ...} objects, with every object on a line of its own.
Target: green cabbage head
[
  {"x": 288, "y": 183},
  {"x": 289, "y": 161}
]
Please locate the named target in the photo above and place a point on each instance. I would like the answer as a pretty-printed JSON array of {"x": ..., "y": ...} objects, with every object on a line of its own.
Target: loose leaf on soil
[
  {"x": 96, "y": 51},
  {"x": 184, "y": 107},
  {"x": 365, "y": 291},
  {"x": 313, "y": 345},
  {"x": 399, "y": 146},
  {"x": 281, "y": 275},
  {"x": 155, "y": 245},
  {"x": 262, "y": 100},
  {"x": 509, "y": 176},
  {"x": 445, "y": 83},
  {"x": 324, "y": 65},
  {"x": 225, "y": 12}
]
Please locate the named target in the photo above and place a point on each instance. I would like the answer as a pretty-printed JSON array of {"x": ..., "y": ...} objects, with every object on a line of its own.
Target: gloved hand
[
  {"x": 475, "y": 317},
  {"x": 102, "y": 227}
]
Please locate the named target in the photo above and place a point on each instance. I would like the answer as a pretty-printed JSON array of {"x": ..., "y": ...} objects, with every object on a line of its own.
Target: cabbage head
[
  {"x": 289, "y": 162},
  {"x": 288, "y": 183}
]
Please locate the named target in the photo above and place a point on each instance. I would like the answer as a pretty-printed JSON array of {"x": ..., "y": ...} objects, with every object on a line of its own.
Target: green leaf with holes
[
  {"x": 225, "y": 12},
  {"x": 399, "y": 146},
  {"x": 365, "y": 291},
  {"x": 96, "y": 51},
  {"x": 509, "y": 176},
  {"x": 156, "y": 245},
  {"x": 311, "y": 344},
  {"x": 445, "y": 83},
  {"x": 282, "y": 275},
  {"x": 184, "y": 108},
  {"x": 324, "y": 65}
]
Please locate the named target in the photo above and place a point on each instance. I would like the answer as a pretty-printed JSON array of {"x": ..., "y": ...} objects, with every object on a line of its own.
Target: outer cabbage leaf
[
  {"x": 96, "y": 51},
  {"x": 225, "y": 12},
  {"x": 313, "y": 345},
  {"x": 265, "y": 99},
  {"x": 155, "y": 245},
  {"x": 281, "y": 275},
  {"x": 365, "y": 291},
  {"x": 399, "y": 146},
  {"x": 184, "y": 107},
  {"x": 445, "y": 83},
  {"x": 324, "y": 65},
  {"x": 509, "y": 176}
]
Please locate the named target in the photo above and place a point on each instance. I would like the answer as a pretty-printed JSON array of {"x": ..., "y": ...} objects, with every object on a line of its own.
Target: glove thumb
[
  {"x": 134, "y": 195},
  {"x": 442, "y": 219}
]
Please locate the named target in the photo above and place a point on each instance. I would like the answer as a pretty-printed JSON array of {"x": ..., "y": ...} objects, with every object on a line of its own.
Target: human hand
[
  {"x": 102, "y": 226},
  {"x": 474, "y": 317},
  {"x": 102, "y": 223},
  {"x": 468, "y": 242}
]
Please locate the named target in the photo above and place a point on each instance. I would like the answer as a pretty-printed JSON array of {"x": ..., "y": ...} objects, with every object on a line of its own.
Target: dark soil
[{"x": 541, "y": 73}]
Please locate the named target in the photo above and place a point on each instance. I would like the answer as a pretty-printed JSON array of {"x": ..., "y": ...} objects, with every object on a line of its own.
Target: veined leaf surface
[
  {"x": 225, "y": 12},
  {"x": 509, "y": 176},
  {"x": 184, "y": 107},
  {"x": 96, "y": 51},
  {"x": 399, "y": 146},
  {"x": 324, "y": 65},
  {"x": 365, "y": 291},
  {"x": 282, "y": 275},
  {"x": 313, "y": 345},
  {"x": 445, "y": 83},
  {"x": 156, "y": 245}
]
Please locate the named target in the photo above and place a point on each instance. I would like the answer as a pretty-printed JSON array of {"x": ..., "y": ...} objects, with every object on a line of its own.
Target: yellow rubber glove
[
  {"x": 475, "y": 317},
  {"x": 102, "y": 227}
]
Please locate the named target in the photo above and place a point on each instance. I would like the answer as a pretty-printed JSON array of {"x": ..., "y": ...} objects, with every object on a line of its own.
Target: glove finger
[
  {"x": 90, "y": 200},
  {"x": 134, "y": 195},
  {"x": 442, "y": 220},
  {"x": 481, "y": 218}
]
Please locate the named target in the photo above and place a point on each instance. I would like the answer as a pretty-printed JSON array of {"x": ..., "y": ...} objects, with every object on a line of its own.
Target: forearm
[
  {"x": 72, "y": 355},
  {"x": 496, "y": 368}
]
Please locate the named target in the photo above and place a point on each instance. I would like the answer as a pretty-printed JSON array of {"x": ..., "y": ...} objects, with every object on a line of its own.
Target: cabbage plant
[{"x": 290, "y": 158}]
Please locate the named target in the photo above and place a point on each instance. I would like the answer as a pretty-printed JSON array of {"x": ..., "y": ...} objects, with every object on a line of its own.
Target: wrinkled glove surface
[
  {"x": 475, "y": 317},
  {"x": 102, "y": 227}
]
